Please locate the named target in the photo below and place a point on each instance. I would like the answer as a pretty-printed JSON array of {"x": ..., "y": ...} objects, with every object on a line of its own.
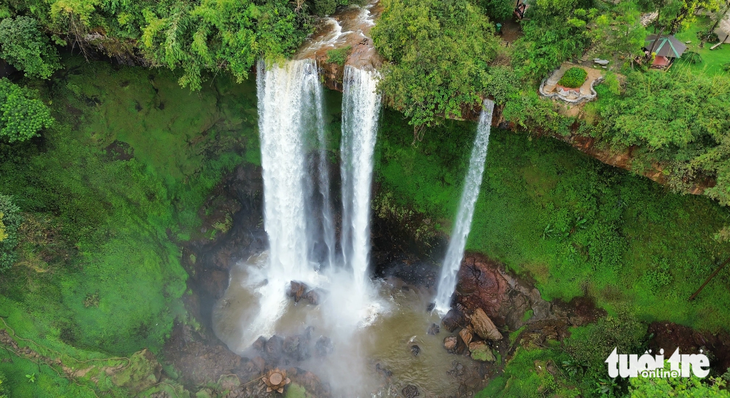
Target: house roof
[{"x": 667, "y": 46}]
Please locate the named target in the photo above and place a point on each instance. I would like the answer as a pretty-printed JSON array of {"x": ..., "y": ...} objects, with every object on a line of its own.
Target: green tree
[
  {"x": 22, "y": 114},
  {"x": 498, "y": 9},
  {"x": 438, "y": 54},
  {"x": 25, "y": 47},
  {"x": 619, "y": 31},
  {"x": 679, "y": 118},
  {"x": 554, "y": 33}
]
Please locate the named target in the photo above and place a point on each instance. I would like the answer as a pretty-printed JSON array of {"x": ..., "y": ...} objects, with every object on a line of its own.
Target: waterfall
[
  {"x": 328, "y": 224},
  {"x": 360, "y": 113},
  {"x": 288, "y": 103},
  {"x": 469, "y": 196}
]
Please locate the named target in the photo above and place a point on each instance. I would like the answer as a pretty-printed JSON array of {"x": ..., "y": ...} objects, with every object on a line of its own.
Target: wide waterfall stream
[{"x": 374, "y": 333}]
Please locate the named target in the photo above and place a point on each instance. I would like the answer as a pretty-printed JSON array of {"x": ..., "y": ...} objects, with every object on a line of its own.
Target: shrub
[
  {"x": 339, "y": 56},
  {"x": 10, "y": 220},
  {"x": 692, "y": 57},
  {"x": 22, "y": 115},
  {"x": 573, "y": 77}
]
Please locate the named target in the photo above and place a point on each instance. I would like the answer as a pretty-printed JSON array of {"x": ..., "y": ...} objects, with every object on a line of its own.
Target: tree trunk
[
  {"x": 653, "y": 45},
  {"x": 712, "y": 29}
]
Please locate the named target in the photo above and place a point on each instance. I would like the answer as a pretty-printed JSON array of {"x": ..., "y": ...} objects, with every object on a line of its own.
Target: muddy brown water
[{"x": 374, "y": 359}]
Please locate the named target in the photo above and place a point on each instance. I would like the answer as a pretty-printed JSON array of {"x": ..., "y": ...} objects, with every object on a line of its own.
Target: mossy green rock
[
  {"x": 481, "y": 352},
  {"x": 294, "y": 390},
  {"x": 142, "y": 372}
]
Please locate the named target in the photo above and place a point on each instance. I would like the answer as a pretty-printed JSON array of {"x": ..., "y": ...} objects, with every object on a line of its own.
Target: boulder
[
  {"x": 453, "y": 319},
  {"x": 259, "y": 344},
  {"x": 312, "y": 297},
  {"x": 296, "y": 290},
  {"x": 433, "y": 329},
  {"x": 481, "y": 352},
  {"x": 274, "y": 347},
  {"x": 295, "y": 347},
  {"x": 323, "y": 347},
  {"x": 415, "y": 350},
  {"x": 465, "y": 335},
  {"x": 410, "y": 391},
  {"x": 450, "y": 343},
  {"x": 484, "y": 327},
  {"x": 602, "y": 62}
]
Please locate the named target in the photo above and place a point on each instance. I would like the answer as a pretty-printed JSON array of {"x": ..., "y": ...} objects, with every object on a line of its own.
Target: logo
[{"x": 632, "y": 365}]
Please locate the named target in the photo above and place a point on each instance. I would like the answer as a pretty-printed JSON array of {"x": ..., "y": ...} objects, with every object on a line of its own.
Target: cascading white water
[
  {"x": 360, "y": 113},
  {"x": 462, "y": 226},
  {"x": 283, "y": 92}
]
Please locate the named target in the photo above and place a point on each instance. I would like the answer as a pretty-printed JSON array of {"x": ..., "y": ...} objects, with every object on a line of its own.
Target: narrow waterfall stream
[
  {"x": 360, "y": 112},
  {"x": 462, "y": 226}
]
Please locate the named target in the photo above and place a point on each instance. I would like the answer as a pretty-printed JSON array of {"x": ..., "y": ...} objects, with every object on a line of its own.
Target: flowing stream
[{"x": 472, "y": 184}]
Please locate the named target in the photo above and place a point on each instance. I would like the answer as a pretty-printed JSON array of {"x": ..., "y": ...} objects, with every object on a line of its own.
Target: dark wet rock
[
  {"x": 259, "y": 344},
  {"x": 323, "y": 347},
  {"x": 410, "y": 391},
  {"x": 201, "y": 358},
  {"x": 312, "y": 297},
  {"x": 415, "y": 350},
  {"x": 453, "y": 319},
  {"x": 296, "y": 348},
  {"x": 383, "y": 370},
  {"x": 433, "y": 329},
  {"x": 450, "y": 343},
  {"x": 274, "y": 347},
  {"x": 457, "y": 369},
  {"x": 296, "y": 290},
  {"x": 260, "y": 363},
  {"x": 484, "y": 327},
  {"x": 482, "y": 285},
  {"x": 430, "y": 307}
]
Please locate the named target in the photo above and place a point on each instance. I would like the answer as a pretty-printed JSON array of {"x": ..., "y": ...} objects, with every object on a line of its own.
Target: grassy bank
[
  {"x": 576, "y": 225},
  {"x": 106, "y": 194}
]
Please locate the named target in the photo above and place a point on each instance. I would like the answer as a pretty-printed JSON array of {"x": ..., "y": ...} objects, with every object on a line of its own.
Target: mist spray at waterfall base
[{"x": 299, "y": 219}]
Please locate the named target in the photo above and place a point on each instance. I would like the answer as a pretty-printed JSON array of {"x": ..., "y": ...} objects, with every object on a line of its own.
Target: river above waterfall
[{"x": 377, "y": 359}]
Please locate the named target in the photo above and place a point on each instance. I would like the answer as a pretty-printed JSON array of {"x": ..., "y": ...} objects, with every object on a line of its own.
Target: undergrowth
[{"x": 576, "y": 225}]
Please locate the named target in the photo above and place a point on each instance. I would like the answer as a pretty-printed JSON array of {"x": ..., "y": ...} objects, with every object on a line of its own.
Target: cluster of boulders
[
  {"x": 299, "y": 291},
  {"x": 476, "y": 335}
]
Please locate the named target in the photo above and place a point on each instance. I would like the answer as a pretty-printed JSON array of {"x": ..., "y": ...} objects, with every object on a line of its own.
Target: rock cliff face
[{"x": 346, "y": 31}]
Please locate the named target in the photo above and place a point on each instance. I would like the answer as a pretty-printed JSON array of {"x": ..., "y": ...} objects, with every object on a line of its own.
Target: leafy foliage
[
  {"x": 619, "y": 31},
  {"x": 573, "y": 77},
  {"x": 338, "y": 56},
  {"x": 438, "y": 55},
  {"x": 681, "y": 118},
  {"x": 680, "y": 387},
  {"x": 25, "y": 47},
  {"x": 192, "y": 36},
  {"x": 22, "y": 114},
  {"x": 554, "y": 33},
  {"x": 10, "y": 220},
  {"x": 327, "y": 7},
  {"x": 590, "y": 345}
]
